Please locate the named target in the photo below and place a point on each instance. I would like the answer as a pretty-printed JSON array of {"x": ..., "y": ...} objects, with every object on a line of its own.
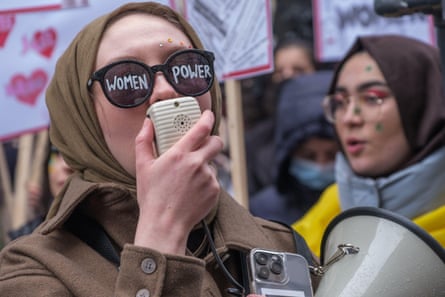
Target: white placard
[
  {"x": 30, "y": 44},
  {"x": 23, "y": 6},
  {"x": 19, "y": 6},
  {"x": 338, "y": 22},
  {"x": 238, "y": 32}
]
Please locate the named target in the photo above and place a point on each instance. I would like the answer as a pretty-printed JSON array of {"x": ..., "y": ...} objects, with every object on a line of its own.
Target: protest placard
[
  {"x": 338, "y": 22},
  {"x": 33, "y": 34},
  {"x": 238, "y": 32}
]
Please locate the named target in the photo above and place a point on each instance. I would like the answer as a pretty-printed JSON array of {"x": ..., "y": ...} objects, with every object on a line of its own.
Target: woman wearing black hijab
[{"x": 387, "y": 104}]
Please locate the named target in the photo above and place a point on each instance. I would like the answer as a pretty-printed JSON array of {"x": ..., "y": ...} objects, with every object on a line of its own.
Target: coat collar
[{"x": 76, "y": 193}]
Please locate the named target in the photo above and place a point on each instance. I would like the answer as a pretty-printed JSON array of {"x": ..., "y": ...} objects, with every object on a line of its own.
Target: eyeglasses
[
  {"x": 367, "y": 104},
  {"x": 129, "y": 83}
]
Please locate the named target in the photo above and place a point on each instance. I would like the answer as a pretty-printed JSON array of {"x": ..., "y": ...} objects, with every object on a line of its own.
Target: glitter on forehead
[
  {"x": 180, "y": 42},
  {"x": 368, "y": 68}
]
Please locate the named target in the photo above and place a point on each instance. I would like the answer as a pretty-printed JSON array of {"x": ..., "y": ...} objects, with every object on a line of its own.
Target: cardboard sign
[
  {"x": 20, "y": 6},
  {"x": 337, "y": 23},
  {"x": 238, "y": 32},
  {"x": 33, "y": 34}
]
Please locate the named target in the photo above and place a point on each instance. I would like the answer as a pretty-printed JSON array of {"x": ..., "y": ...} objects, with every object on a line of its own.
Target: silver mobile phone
[
  {"x": 279, "y": 274},
  {"x": 172, "y": 119}
]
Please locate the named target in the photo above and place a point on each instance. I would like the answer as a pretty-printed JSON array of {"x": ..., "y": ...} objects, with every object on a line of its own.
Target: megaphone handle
[{"x": 342, "y": 250}]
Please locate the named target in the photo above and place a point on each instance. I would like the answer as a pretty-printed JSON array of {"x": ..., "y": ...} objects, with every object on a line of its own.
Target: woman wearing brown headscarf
[
  {"x": 387, "y": 104},
  {"x": 129, "y": 223}
]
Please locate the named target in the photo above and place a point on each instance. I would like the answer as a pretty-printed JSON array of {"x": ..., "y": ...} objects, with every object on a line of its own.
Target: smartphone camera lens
[
  {"x": 263, "y": 272},
  {"x": 277, "y": 264},
  {"x": 261, "y": 258},
  {"x": 276, "y": 267}
]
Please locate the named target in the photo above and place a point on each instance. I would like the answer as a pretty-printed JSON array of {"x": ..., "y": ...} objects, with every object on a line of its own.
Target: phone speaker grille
[{"x": 173, "y": 120}]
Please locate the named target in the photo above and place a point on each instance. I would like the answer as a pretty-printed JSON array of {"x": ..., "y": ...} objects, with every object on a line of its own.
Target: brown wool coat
[{"x": 54, "y": 262}]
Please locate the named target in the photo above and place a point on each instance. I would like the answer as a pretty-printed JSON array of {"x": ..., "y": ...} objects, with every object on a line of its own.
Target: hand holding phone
[
  {"x": 279, "y": 274},
  {"x": 172, "y": 119}
]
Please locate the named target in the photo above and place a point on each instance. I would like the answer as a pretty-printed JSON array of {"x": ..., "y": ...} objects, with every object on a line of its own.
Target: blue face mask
[{"x": 311, "y": 174}]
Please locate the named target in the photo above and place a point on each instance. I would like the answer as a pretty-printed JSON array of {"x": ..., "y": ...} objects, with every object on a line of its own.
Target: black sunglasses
[{"x": 129, "y": 83}]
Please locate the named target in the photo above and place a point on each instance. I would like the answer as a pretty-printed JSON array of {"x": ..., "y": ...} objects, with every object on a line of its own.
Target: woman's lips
[{"x": 355, "y": 146}]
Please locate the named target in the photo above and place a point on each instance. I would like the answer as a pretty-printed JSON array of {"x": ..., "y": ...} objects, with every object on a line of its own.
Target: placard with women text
[{"x": 338, "y": 22}]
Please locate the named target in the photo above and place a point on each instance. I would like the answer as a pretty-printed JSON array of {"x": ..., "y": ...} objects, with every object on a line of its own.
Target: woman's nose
[
  {"x": 162, "y": 89},
  {"x": 353, "y": 112}
]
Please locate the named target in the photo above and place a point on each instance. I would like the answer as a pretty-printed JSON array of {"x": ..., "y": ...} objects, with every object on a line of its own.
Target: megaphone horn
[{"x": 374, "y": 252}]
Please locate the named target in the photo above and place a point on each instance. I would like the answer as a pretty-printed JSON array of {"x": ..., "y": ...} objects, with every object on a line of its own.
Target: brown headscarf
[
  {"x": 74, "y": 127},
  {"x": 412, "y": 70}
]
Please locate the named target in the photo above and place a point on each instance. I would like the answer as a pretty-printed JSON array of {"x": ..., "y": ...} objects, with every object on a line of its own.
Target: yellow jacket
[{"x": 313, "y": 224}]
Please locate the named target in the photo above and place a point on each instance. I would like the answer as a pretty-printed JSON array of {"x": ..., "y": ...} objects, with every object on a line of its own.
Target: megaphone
[{"x": 369, "y": 252}]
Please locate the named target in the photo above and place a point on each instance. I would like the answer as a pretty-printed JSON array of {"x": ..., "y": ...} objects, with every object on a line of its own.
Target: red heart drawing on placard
[
  {"x": 7, "y": 21},
  {"x": 27, "y": 90},
  {"x": 45, "y": 41}
]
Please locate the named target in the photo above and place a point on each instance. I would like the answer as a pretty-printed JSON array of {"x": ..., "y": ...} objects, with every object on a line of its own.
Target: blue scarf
[{"x": 410, "y": 192}]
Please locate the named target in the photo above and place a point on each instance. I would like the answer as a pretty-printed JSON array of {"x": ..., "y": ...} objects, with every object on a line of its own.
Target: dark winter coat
[{"x": 299, "y": 116}]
